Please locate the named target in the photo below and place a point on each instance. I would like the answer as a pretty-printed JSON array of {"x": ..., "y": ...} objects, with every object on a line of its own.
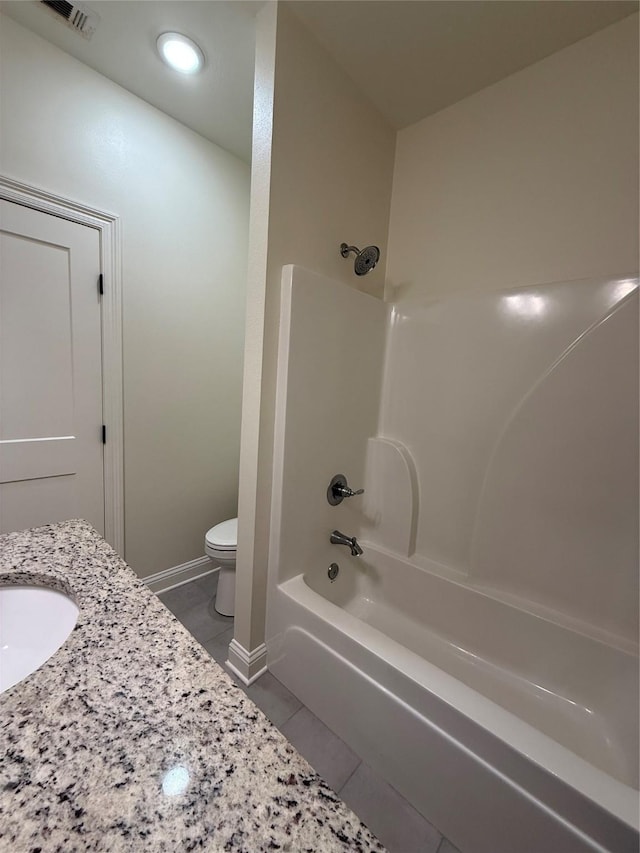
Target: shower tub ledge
[{"x": 490, "y": 781}]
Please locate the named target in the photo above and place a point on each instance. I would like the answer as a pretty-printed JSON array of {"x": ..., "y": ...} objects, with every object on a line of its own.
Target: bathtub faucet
[{"x": 338, "y": 538}]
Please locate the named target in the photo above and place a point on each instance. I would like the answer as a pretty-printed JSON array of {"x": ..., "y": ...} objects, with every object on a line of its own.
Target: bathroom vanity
[{"x": 130, "y": 737}]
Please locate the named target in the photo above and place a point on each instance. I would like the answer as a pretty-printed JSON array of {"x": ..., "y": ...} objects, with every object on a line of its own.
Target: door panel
[
  {"x": 36, "y": 458},
  {"x": 56, "y": 500},
  {"x": 51, "y": 453},
  {"x": 36, "y": 299}
]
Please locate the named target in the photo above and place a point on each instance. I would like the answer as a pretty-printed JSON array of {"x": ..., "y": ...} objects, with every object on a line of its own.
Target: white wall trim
[
  {"x": 248, "y": 666},
  {"x": 112, "y": 389},
  {"x": 178, "y": 575}
]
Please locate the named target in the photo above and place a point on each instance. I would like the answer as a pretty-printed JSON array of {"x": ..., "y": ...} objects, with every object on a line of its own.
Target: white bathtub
[
  {"x": 510, "y": 732},
  {"x": 512, "y": 729}
]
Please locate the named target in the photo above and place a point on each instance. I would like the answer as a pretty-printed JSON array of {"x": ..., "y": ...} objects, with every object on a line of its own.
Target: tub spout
[{"x": 351, "y": 542}]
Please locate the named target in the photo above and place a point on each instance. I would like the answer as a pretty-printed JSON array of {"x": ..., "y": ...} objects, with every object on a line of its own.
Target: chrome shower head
[{"x": 365, "y": 259}]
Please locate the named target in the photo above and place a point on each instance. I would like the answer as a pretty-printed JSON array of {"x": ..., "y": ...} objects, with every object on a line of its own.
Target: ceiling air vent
[{"x": 75, "y": 15}]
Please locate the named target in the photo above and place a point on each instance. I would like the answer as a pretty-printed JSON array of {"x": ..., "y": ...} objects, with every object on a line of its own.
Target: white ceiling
[
  {"x": 217, "y": 103},
  {"x": 411, "y": 58},
  {"x": 414, "y": 58}
]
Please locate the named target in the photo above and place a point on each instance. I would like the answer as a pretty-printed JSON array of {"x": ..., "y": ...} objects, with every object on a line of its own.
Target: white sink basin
[{"x": 34, "y": 623}]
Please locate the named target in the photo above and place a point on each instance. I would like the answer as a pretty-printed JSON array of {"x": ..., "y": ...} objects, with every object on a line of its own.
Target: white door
[{"x": 51, "y": 451}]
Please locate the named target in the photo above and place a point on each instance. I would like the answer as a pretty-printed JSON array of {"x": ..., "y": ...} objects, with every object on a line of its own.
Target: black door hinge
[
  {"x": 100, "y": 284},
  {"x": 104, "y": 434}
]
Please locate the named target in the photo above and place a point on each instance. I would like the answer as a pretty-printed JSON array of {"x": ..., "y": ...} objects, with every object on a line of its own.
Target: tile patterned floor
[{"x": 396, "y": 823}]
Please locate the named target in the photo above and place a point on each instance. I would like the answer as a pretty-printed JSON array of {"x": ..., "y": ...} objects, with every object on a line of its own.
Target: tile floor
[{"x": 393, "y": 820}]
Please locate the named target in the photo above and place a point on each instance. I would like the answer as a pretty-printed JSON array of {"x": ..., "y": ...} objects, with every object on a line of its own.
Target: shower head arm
[{"x": 345, "y": 250}]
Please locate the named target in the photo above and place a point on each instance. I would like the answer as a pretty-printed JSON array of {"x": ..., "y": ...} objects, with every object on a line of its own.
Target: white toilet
[{"x": 220, "y": 544}]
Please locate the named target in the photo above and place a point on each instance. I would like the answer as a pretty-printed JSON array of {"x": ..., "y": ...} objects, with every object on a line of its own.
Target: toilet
[{"x": 220, "y": 543}]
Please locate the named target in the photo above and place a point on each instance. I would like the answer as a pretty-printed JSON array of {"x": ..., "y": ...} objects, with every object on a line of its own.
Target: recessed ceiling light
[{"x": 180, "y": 53}]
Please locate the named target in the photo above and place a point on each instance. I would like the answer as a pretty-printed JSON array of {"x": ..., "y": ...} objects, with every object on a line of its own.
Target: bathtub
[{"x": 510, "y": 732}]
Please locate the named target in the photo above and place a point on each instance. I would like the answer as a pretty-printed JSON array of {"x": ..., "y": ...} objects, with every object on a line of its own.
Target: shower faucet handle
[
  {"x": 346, "y": 492},
  {"x": 339, "y": 490}
]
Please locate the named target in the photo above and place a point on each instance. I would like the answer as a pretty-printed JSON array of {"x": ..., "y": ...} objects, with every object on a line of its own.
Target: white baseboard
[
  {"x": 178, "y": 575},
  {"x": 248, "y": 666}
]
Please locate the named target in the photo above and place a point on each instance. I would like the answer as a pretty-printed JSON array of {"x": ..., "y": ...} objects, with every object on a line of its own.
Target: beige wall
[
  {"x": 531, "y": 180},
  {"x": 324, "y": 177},
  {"x": 183, "y": 204}
]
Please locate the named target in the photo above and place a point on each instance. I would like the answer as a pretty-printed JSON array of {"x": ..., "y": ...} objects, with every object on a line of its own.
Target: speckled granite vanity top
[{"x": 92, "y": 742}]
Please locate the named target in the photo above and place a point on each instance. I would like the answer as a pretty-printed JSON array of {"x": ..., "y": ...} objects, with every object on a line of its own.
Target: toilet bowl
[{"x": 220, "y": 543}]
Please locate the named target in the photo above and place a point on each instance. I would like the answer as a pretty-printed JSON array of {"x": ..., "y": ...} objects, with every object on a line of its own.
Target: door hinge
[
  {"x": 104, "y": 434},
  {"x": 100, "y": 284}
]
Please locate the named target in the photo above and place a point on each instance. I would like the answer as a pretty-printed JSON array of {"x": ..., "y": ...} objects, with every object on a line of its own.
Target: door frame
[{"x": 108, "y": 226}]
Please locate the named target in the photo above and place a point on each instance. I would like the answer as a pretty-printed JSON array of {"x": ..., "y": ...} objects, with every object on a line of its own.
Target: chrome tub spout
[{"x": 351, "y": 542}]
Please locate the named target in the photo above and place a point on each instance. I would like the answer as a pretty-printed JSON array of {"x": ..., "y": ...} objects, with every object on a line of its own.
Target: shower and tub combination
[{"x": 476, "y": 641}]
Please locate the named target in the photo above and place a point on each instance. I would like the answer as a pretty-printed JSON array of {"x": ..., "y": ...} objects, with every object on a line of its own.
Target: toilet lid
[{"x": 223, "y": 536}]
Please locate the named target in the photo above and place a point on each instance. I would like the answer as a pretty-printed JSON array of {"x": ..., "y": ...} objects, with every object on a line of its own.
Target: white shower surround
[{"x": 524, "y": 734}]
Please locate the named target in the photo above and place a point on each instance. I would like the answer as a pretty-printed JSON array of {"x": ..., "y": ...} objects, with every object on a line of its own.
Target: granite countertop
[{"x": 91, "y": 742}]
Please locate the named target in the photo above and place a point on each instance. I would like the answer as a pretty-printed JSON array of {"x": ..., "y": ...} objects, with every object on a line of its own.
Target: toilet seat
[{"x": 224, "y": 536}]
